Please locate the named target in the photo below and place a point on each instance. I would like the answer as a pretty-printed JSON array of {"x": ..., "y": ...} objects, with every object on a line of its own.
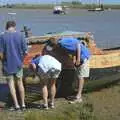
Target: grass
[
  {"x": 106, "y": 103},
  {"x": 68, "y": 112},
  {"x": 97, "y": 105},
  {"x": 100, "y": 102}
]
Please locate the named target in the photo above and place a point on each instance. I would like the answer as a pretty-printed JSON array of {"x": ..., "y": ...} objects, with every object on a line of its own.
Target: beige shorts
[
  {"x": 16, "y": 76},
  {"x": 83, "y": 70}
]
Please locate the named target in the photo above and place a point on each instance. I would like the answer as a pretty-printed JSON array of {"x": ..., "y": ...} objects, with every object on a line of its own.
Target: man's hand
[
  {"x": 1, "y": 56},
  {"x": 33, "y": 66},
  {"x": 77, "y": 63}
]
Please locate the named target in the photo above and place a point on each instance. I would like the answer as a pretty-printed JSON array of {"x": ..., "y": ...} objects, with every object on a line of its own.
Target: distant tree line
[{"x": 72, "y": 4}]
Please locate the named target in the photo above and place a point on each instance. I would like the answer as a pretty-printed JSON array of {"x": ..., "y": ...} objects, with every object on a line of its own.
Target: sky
[{"x": 58, "y": 1}]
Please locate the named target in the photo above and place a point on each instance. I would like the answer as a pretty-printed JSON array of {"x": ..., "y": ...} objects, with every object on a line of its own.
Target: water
[{"x": 104, "y": 25}]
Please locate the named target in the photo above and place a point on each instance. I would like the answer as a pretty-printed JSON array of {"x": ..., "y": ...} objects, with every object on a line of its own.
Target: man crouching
[{"x": 48, "y": 70}]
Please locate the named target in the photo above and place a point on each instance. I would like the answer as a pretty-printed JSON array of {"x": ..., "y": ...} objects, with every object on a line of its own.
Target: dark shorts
[{"x": 51, "y": 74}]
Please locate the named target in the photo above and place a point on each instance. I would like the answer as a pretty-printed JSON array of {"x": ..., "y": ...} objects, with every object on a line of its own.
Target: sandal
[
  {"x": 76, "y": 100},
  {"x": 23, "y": 108},
  {"x": 15, "y": 109},
  {"x": 44, "y": 106},
  {"x": 52, "y": 105}
]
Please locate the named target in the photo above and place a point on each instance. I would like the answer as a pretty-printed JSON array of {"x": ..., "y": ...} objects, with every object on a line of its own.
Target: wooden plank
[{"x": 106, "y": 60}]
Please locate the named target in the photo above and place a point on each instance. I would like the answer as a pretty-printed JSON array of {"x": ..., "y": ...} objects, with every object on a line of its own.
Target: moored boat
[
  {"x": 96, "y": 9},
  {"x": 99, "y": 8},
  {"x": 59, "y": 10},
  {"x": 105, "y": 60},
  {"x": 101, "y": 58}
]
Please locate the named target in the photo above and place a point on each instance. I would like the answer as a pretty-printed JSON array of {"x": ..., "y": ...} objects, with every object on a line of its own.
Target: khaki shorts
[
  {"x": 16, "y": 76},
  {"x": 83, "y": 70}
]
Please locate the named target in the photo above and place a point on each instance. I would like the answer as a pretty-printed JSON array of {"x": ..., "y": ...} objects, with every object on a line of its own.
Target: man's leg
[
  {"x": 10, "y": 80},
  {"x": 82, "y": 72},
  {"x": 44, "y": 81},
  {"x": 19, "y": 76},
  {"x": 53, "y": 90},
  {"x": 80, "y": 87},
  {"x": 21, "y": 90},
  {"x": 45, "y": 95}
]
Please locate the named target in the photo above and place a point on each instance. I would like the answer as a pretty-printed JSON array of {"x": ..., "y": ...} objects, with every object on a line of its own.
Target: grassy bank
[
  {"x": 100, "y": 102},
  {"x": 99, "y": 105}
]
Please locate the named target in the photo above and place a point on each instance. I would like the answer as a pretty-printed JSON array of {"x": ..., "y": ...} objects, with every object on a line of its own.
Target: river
[{"x": 104, "y": 25}]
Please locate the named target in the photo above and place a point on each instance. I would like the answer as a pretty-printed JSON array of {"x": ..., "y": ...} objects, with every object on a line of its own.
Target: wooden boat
[{"x": 101, "y": 58}]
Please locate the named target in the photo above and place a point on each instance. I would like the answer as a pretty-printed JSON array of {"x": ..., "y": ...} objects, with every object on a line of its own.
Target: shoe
[
  {"x": 23, "y": 108},
  {"x": 15, "y": 109},
  {"x": 76, "y": 100},
  {"x": 52, "y": 105},
  {"x": 44, "y": 106}
]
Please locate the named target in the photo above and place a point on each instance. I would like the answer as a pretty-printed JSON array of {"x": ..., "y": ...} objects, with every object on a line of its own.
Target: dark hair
[
  {"x": 10, "y": 24},
  {"x": 52, "y": 41}
]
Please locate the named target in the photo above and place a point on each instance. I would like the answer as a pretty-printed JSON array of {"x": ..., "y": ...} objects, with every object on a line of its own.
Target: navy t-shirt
[{"x": 13, "y": 46}]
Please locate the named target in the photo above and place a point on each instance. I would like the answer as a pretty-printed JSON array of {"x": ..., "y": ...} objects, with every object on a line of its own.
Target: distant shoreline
[{"x": 50, "y": 6}]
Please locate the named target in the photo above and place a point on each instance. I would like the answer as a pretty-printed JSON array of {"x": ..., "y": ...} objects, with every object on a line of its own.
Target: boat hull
[
  {"x": 58, "y": 12},
  {"x": 96, "y": 10}
]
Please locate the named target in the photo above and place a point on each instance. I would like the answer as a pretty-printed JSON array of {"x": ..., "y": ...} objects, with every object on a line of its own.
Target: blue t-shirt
[
  {"x": 36, "y": 60},
  {"x": 70, "y": 44},
  {"x": 13, "y": 46}
]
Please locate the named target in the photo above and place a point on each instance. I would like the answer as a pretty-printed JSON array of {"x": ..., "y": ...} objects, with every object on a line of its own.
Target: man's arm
[
  {"x": 1, "y": 55},
  {"x": 78, "y": 54},
  {"x": 24, "y": 46},
  {"x": 1, "y": 48},
  {"x": 34, "y": 63}
]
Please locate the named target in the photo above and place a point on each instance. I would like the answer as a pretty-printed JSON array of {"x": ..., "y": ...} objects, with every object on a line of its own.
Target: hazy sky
[{"x": 53, "y": 1}]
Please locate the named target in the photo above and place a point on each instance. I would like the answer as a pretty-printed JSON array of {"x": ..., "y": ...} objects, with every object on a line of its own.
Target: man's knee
[{"x": 53, "y": 82}]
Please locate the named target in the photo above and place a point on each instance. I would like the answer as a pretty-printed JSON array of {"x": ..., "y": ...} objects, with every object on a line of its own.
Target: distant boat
[
  {"x": 109, "y": 9},
  {"x": 11, "y": 13},
  {"x": 96, "y": 9},
  {"x": 100, "y": 8},
  {"x": 59, "y": 10},
  {"x": 12, "y": 16}
]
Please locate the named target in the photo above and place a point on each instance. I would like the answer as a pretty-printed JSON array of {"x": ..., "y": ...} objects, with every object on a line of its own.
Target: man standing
[{"x": 13, "y": 48}]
